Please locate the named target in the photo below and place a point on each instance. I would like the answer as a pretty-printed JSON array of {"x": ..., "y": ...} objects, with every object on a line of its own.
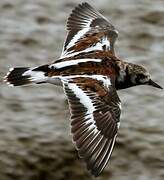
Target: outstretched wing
[
  {"x": 88, "y": 31},
  {"x": 95, "y": 112}
]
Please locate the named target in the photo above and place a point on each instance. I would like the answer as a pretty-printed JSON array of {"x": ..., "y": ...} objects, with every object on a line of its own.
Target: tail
[{"x": 22, "y": 75}]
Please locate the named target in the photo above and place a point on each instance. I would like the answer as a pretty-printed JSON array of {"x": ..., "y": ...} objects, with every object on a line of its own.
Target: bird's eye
[{"x": 141, "y": 76}]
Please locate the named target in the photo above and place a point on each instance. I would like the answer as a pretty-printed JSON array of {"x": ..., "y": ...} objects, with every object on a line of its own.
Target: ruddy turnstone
[{"x": 90, "y": 74}]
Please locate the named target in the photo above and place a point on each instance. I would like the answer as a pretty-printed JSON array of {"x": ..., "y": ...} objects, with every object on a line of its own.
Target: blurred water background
[{"x": 35, "y": 140}]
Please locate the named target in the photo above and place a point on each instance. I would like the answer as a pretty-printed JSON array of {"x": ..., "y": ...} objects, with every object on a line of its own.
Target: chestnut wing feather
[
  {"x": 88, "y": 30},
  {"x": 95, "y": 113}
]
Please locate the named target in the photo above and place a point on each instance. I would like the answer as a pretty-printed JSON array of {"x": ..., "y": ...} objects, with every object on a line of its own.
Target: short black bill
[{"x": 152, "y": 83}]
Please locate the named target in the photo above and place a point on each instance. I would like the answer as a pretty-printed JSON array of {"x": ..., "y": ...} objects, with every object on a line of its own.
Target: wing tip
[
  {"x": 80, "y": 16},
  {"x": 97, "y": 170}
]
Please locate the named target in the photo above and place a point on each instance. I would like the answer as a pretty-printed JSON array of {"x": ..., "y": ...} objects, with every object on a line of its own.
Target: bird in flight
[{"x": 90, "y": 74}]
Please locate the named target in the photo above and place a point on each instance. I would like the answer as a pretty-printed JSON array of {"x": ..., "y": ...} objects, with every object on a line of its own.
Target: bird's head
[{"x": 140, "y": 76}]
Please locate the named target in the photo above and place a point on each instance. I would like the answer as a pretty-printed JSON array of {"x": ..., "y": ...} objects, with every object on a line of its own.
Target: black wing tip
[
  {"x": 83, "y": 4},
  {"x": 80, "y": 14},
  {"x": 86, "y": 4},
  {"x": 95, "y": 171},
  {"x": 98, "y": 169}
]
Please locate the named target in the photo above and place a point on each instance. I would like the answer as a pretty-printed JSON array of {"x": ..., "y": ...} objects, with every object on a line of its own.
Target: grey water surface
[{"x": 35, "y": 140}]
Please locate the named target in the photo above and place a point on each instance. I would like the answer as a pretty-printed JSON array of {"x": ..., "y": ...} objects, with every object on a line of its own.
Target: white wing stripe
[
  {"x": 87, "y": 102},
  {"x": 106, "y": 80},
  {"x": 58, "y": 80},
  {"x": 78, "y": 36},
  {"x": 97, "y": 46},
  {"x": 72, "y": 62},
  {"x": 84, "y": 99}
]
